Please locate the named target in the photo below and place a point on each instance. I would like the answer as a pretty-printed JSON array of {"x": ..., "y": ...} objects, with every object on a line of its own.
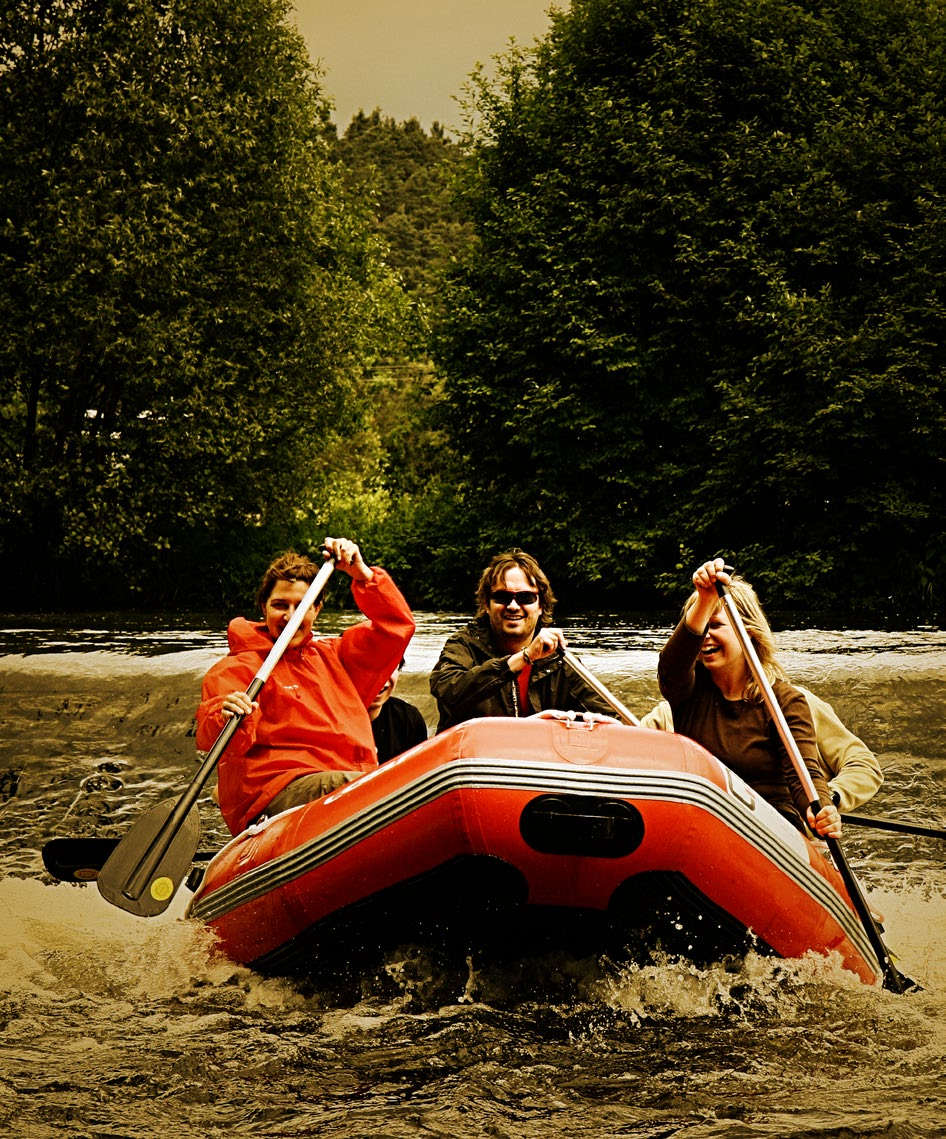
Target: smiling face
[
  {"x": 280, "y": 606},
  {"x": 722, "y": 653},
  {"x": 512, "y": 624}
]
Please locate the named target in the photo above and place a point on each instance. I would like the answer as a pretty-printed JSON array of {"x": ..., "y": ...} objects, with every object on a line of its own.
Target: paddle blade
[
  {"x": 77, "y": 859},
  {"x": 141, "y": 878}
]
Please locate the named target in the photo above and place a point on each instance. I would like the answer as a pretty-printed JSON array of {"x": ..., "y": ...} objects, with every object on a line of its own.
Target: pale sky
[{"x": 411, "y": 57}]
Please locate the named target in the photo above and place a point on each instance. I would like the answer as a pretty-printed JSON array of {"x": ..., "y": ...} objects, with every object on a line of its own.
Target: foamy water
[{"x": 118, "y": 1026}]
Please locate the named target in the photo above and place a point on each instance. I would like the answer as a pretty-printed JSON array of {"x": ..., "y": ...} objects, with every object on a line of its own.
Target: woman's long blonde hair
[{"x": 759, "y": 632}]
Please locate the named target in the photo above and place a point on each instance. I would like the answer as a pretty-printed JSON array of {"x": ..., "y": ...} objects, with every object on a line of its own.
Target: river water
[{"x": 114, "y": 1026}]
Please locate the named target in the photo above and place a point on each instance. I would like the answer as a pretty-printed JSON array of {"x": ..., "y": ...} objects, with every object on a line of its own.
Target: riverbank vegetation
[{"x": 676, "y": 291}]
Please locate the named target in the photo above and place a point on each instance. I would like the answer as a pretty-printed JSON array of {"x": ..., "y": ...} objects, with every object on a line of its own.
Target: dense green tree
[
  {"x": 187, "y": 294},
  {"x": 399, "y": 496},
  {"x": 410, "y": 175},
  {"x": 705, "y": 309}
]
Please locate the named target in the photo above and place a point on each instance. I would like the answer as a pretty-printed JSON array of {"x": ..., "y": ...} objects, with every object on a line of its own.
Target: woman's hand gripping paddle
[
  {"x": 146, "y": 868},
  {"x": 892, "y": 978}
]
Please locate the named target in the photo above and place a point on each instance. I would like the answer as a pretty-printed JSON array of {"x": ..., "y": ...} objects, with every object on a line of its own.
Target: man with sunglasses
[{"x": 506, "y": 662}]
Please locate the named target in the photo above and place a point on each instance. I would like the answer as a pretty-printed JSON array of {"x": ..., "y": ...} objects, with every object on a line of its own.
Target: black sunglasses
[{"x": 521, "y": 597}]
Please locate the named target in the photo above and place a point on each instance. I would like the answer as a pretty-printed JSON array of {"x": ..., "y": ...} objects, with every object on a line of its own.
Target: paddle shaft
[
  {"x": 893, "y": 979},
  {"x": 577, "y": 667},
  {"x": 895, "y": 825},
  {"x": 143, "y": 871}
]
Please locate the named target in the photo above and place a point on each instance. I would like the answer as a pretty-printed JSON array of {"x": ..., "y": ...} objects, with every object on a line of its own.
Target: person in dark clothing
[
  {"x": 507, "y": 661},
  {"x": 396, "y": 724}
]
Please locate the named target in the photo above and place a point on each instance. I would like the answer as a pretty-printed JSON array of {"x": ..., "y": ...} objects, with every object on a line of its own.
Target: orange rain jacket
[{"x": 312, "y": 713}]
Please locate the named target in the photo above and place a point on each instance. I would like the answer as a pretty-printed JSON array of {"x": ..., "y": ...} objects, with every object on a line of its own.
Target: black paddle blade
[
  {"x": 81, "y": 859},
  {"x": 77, "y": 859},
  {"x": 139, "y": 876},
  {"x": 897, "y": 982}
]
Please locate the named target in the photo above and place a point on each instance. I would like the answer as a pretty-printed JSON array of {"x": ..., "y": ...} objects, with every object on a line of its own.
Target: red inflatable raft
[{"x": 510, "y": 837}]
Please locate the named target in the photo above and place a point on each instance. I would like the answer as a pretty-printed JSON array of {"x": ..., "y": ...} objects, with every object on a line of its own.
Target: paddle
[
  {"x": 892, "y": 978},
  {"x": 81, "y": 859},
  {"x": 577, "y": 667},
  {"x": 144, "y": 871},
  {"x": 894, "y": 825}
]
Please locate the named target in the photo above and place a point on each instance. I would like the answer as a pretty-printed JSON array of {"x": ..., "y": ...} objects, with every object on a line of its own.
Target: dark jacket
[
  {"x": 472, "y": 679},
  {"x": 397, "y": 727}
]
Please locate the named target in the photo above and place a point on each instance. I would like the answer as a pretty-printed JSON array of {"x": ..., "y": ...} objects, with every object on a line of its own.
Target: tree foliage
[
  {"x": 408, "y": 175},
  {"x": 187, "y": 292},
  {"x": 705, "y": 308},
  {"x": 695, "y": 305},
  {"x": 399, "y": 497}
]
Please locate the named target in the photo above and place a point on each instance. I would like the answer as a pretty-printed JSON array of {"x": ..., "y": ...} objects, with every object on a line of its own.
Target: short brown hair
[
  {"x": 289, "y": 566},
  {"x": 495, "y": 572}
]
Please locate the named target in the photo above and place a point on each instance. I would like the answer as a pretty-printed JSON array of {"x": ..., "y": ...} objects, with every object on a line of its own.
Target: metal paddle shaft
[
  {"x": 893, "y": 979},
  {"x": 579, "y": 669},
  {"x": 144, "y": 871}
]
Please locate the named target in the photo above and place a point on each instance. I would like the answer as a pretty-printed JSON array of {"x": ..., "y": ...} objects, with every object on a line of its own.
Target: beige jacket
[{"x": 851, "y": 768}]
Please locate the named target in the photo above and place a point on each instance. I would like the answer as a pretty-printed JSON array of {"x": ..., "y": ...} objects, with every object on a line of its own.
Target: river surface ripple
[{"x": 112, "y": 1026}]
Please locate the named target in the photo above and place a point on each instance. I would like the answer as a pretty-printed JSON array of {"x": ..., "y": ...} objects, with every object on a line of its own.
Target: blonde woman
[{"x": 704, "y": 675}]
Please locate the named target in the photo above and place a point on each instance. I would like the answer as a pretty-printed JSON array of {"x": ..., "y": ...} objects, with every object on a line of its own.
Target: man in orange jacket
[{"x": 308, "y": 731}]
